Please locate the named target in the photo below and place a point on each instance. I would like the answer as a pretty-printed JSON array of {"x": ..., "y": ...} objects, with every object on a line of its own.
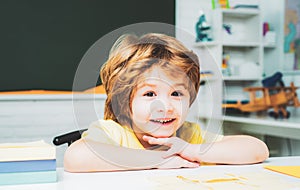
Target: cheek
[
  {"x": 140, "y": 110},
  {"x": 182, "y": 107},
  {"x": 137, "y": 109}
]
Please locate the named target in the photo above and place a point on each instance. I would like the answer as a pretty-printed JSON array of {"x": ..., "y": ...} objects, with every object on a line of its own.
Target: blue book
[
  {"x": 27, "y": 166},
  {"x": 28, "y": 177}
]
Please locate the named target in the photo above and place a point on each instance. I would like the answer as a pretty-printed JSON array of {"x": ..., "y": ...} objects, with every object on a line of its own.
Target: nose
[{"x": 162, "y": 105}]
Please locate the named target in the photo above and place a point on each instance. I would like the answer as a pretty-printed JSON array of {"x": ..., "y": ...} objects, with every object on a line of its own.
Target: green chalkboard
[{"x": 43, "y": 41}]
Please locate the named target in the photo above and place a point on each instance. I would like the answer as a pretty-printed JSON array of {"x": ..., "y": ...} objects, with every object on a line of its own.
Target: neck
[{"x": 139, "y": 135}]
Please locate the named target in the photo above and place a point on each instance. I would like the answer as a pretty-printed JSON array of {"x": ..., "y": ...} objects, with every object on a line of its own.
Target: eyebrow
[
  {"x": 146, "y": 84},
  {"x": 154, "y": 85},
  {"x": 180, "y": 84}
]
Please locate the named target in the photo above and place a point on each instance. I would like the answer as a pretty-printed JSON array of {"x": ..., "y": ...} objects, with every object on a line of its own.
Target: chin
[{"x": 162, "y": 135}]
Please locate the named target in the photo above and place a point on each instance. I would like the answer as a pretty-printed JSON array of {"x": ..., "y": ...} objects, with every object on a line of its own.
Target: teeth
[{"x": 162, "y": 121}]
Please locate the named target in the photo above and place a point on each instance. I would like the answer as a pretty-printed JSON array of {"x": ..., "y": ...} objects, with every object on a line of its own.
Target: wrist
[
  {"x": 192, "y": 152},
  {"x": 198, "y": 152}
]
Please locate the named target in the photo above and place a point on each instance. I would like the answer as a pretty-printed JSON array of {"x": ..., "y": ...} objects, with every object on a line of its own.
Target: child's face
[{"x": 160, "y": 104}]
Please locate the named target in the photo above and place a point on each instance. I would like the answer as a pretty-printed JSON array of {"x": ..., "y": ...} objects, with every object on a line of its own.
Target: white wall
[{"x": 25, "y": 118}]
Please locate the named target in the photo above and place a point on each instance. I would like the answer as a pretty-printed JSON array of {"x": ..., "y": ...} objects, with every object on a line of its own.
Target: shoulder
[
  {"x": 111, "y": 132},
  {"x": 104, "y": 130},
  {"x": 106, "y": 124},
  {"x": 190, "y": 126},
  {"x": 190, "y": 132}
]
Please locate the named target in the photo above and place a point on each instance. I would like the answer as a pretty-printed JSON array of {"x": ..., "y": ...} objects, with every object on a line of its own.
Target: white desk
[
  {"x": 139, "y": 179},
  {"x": 264, "y": 126}
]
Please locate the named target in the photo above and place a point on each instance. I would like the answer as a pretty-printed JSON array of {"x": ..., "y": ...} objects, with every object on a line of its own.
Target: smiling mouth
[{"x": 162, "y": 121}]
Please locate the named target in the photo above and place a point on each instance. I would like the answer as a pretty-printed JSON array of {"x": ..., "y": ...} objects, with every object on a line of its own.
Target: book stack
[{"x": 27, "y": 163}]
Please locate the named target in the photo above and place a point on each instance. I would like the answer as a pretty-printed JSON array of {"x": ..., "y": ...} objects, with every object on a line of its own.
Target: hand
[{"x": 177, "y": 146}]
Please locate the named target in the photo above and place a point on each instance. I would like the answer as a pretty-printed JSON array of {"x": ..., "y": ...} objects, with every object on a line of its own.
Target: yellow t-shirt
[{"x": 110, "y": 132}]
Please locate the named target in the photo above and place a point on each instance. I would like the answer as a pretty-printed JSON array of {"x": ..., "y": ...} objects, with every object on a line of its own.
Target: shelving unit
[
  {"x": 243, "y": 46},
  {"x": 242, "y": 42},
  {"x": 268, "y": 57}
]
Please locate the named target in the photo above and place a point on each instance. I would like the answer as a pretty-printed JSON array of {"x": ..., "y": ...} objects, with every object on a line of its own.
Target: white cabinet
[
  {"x": 235, "y": 56},
  {"x": 241, "y": 50}
]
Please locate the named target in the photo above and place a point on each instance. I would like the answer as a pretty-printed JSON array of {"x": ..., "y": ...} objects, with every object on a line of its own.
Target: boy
[{"x": 150, "y": 84}]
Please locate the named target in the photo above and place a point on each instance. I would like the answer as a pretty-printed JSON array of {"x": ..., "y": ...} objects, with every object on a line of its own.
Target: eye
[
  {"x": 176, "y": 93},
  {"x": 149, "y": 94}
]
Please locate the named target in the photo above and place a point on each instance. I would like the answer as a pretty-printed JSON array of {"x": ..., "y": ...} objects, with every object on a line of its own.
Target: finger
[
  {"x": 148, "y": 138},
  {"x": 159, "y": 141},
  {"x": 176, "y": 147},
  {"x": 188, "y": 164},
  {"x": 169, "y": 153}
]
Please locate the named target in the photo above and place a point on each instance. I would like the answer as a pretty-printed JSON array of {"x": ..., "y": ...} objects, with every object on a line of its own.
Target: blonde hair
[{"x": 131, "y": 56}]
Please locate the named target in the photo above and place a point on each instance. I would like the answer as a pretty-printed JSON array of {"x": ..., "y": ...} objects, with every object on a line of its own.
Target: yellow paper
[{"x": 288, "y": 170}]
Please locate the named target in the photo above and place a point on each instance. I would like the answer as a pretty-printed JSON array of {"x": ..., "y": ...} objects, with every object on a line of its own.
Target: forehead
[{"x": 167, "y": 76}]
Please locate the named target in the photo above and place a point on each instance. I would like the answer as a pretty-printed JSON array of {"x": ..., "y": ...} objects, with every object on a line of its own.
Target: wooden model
[{"x": 278, "y": 98}]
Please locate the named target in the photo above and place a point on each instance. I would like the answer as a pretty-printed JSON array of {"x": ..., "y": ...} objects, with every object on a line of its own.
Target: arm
[
  {"x": 236, "y": 149},
  {"x": 89, "y": 156}
]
